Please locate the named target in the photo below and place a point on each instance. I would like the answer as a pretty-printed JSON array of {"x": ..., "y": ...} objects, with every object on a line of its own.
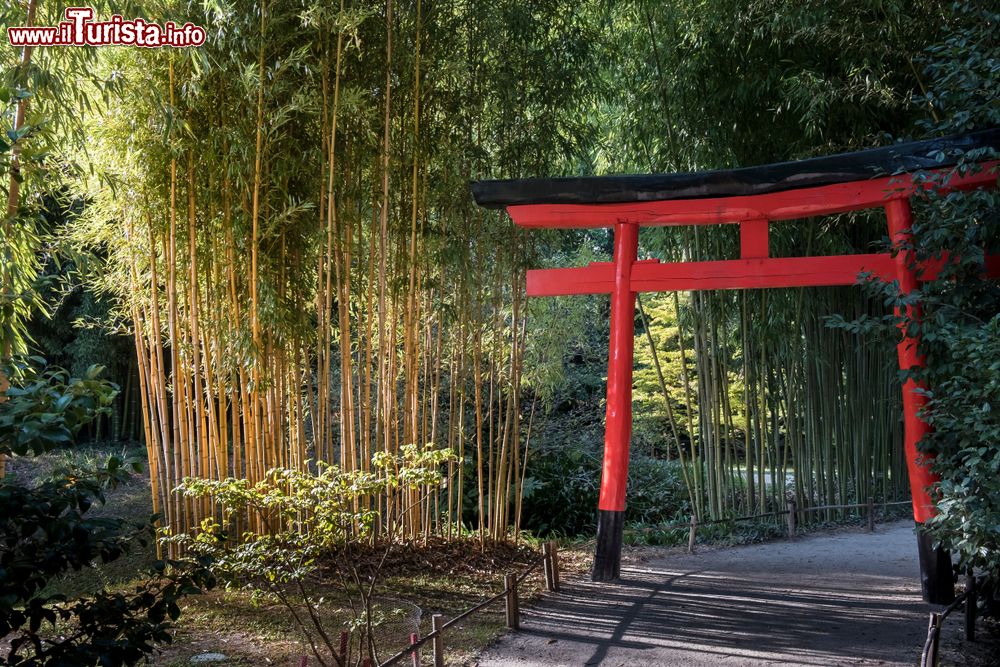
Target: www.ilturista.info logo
[{"x": 79, "y": 29}]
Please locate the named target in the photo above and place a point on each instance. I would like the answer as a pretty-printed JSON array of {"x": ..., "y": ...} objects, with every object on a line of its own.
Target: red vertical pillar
[
  {"x": 937, "y": 581},
  {"x": 618, "y": 427}
]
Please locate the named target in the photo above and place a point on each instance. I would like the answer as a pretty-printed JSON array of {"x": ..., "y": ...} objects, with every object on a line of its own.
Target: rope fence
[
  {"x": 549, "y": 560},
  {"x": 791, "y": 512}
]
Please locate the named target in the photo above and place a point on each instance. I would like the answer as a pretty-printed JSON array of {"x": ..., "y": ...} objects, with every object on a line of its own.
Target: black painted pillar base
[
  {"x": 608, "y": 558},
  {"x": 937, "y": 580}
]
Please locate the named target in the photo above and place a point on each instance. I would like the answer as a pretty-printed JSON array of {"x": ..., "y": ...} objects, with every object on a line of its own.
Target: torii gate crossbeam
[{"x": 752, "y": 198}]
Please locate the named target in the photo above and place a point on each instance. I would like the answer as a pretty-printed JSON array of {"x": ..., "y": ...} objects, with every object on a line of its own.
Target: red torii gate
[{"x": 752, "y": 198}]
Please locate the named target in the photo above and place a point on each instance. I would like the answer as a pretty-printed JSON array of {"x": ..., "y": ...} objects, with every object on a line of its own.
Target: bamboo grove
[
  {"x": 305, "y": 275},
  {"x": 287, "y": 229},
  {"x": 754, "y": 401}
]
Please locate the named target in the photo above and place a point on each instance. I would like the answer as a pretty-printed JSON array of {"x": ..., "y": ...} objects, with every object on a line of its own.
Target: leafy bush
[
  {"x": 959, "y": 327},
  {"x": 303, "y": 524},
  {"x": 562, "y": 491},
  {"x": 656, "y": 492},
  {"x": 48, "y": 408},
  {"x": 960, "y": 336},
  {"x": 45, "y": 532}
]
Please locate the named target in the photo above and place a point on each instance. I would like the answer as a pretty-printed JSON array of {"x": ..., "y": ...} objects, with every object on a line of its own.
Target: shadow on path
[{"x": 850, "y": 598}]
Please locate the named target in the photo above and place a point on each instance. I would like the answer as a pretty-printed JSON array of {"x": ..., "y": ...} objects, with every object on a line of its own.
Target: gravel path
[{"x": 848, "y": 598}]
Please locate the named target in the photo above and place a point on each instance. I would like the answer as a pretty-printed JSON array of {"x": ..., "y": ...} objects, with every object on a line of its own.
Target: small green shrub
[
  {"x": 314, "y": 525},
  {"x": 563, "y": 487}
]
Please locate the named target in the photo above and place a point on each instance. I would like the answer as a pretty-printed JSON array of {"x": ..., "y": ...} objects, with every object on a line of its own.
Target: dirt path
[{"x": 848, "y": 598}]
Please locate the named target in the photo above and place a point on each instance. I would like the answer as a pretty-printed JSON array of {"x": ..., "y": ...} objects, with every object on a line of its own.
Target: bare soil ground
[
  {"x": 843, "y": 598},
  {"x": 419, "y": 581}
]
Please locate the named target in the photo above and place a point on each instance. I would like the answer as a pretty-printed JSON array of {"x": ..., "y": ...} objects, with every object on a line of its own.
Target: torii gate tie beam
[{"x": 752, "y": 198}]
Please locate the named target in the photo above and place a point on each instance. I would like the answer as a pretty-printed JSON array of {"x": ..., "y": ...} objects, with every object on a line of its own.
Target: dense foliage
[
  {"x": 961, "y": 312},
  {"x": 957, "y": 314},
  {"x": 47, "y": 531},
  {"x": 279, "y": 536}
]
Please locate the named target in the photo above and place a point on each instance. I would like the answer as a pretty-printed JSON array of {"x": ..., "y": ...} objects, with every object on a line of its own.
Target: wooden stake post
[
  {"x": 345, "y": 645},
  {"x": 554, "y": 552},
  {"x": 792, "y": 519},
  {"x": 415, "y": 656},
  {"x": 547, "y": 566},
  {"x": 513, "y": 609},
  {"x": 752, "y": 198},
  {"x": 437, "y": 620}
]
